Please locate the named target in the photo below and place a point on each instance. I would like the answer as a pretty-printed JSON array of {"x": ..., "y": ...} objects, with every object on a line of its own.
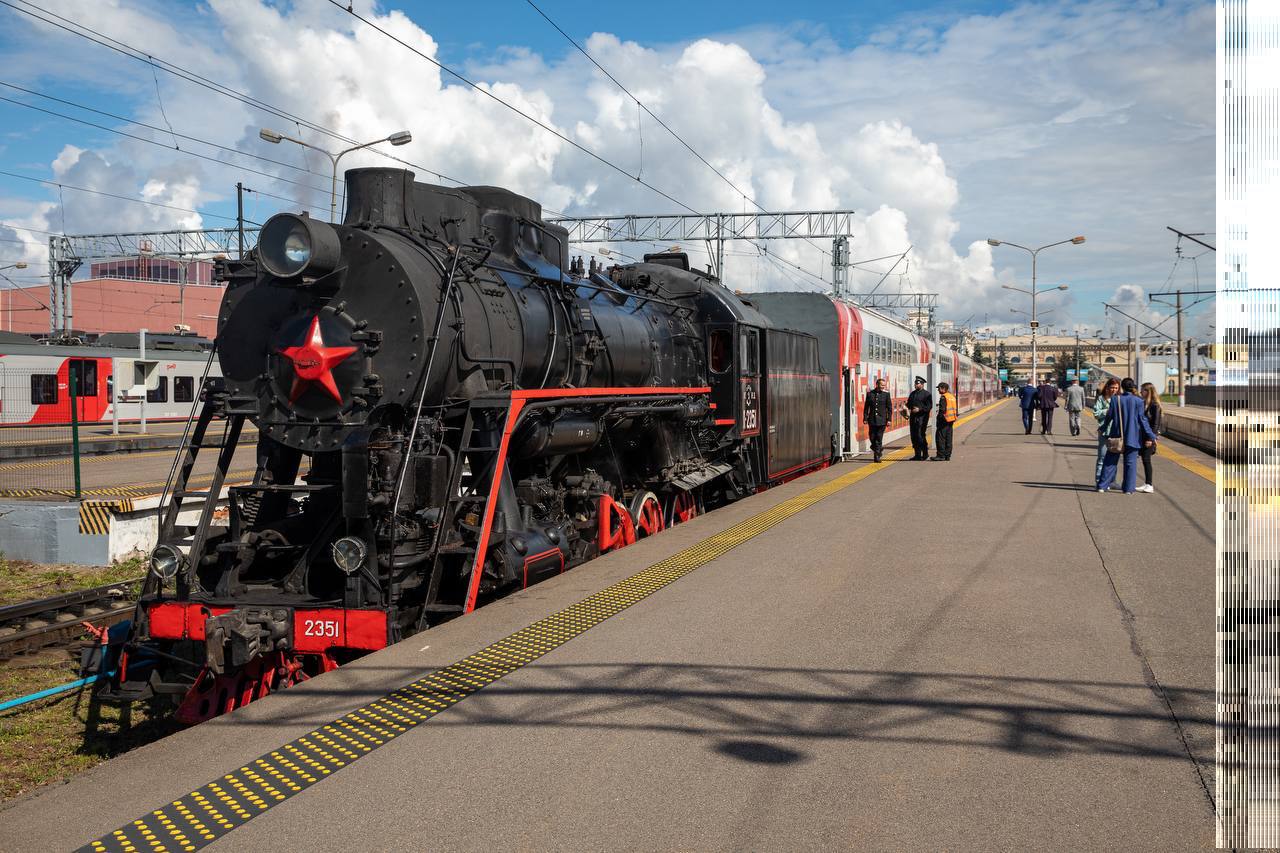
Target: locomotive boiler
[{"x": 448, "y": 408}]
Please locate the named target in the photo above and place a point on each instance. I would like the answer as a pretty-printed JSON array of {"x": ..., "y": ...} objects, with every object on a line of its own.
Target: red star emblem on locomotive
[{"x": 314, "y": 362}]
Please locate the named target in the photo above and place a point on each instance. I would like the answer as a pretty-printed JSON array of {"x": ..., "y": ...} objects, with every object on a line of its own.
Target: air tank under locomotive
[{"x": 448, "y": 407}]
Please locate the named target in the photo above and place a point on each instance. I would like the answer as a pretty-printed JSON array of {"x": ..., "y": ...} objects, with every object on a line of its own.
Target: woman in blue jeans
[
  {"x": 1127, "y": 421},
  {"x": 1100, "y": 408}
]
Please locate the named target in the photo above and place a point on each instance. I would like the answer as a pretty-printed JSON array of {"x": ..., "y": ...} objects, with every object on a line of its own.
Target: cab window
[
  {"x": 750, "y": 354},
  {"x": 721, "y": 354}
]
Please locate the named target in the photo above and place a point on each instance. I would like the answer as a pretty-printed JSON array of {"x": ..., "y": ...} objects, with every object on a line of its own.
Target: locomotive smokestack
[{"x": 380, "y": 196}]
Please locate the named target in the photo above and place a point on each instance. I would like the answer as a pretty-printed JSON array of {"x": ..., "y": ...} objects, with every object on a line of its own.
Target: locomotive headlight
[
  {"x": 291, "y": 245},
  {"x": 349, "y": 553},
  {"x": 165, "y": 562}
]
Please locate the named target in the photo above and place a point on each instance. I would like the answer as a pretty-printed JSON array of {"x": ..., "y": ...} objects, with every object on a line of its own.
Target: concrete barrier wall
[{"x": 1197, "y": 432}]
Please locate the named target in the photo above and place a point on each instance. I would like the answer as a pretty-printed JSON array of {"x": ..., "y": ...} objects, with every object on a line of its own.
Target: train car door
[
  {"x": 846, "y": 413},
  {"x": 82, "y": 387},
  {"x": 721, "y": 375}
]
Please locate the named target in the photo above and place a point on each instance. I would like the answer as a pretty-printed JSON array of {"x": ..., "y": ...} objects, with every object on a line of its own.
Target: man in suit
[
  {"x": 1027, "y": 400},
  {"x": 1075, "y": 405},
  {"x": 1047, "y": 399},
  {"x": 919, "y": 404},
  {"x": 1127, "y": 419},
  {"x": 877, "y": 410}
]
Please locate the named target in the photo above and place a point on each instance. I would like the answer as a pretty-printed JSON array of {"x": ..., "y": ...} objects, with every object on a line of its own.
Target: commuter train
[
  {"x": 113, "y": 381},
  {"x": 474, "y": 412}
]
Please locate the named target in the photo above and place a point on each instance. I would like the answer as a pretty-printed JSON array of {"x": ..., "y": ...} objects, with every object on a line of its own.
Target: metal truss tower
[
  {"x": 67, "y": 254},
  {"x": 716, "y": 228}
]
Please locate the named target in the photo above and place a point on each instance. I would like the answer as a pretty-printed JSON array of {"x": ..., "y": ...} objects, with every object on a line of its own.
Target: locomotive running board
[{"x": 514, "y": 407}]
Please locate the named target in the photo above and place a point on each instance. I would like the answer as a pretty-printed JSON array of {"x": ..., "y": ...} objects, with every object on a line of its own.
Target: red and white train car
[
  {"x": 112, "y": 382},
  {"x": 858, "y": 346}
]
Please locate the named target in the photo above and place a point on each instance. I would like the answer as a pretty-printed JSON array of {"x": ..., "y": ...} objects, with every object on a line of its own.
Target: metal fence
[{"x": 41, "y": 417}]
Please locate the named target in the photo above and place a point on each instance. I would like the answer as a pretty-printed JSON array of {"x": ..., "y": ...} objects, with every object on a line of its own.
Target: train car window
[
  {"x": 44, "y": 388},
  {"x": 184, "y": 389},
  {"x": 721, "y": 356},
  {"x": 750, "y": 353},
  {"x": 160, "y": 393}
]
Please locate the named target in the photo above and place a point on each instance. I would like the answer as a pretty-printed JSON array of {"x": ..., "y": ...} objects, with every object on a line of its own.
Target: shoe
[
  {"x": 877, "y": 459},
  {"x": 937, "y": 459},
  {"x": 1147, "y": 489},
  {"x": 1102, "y": 491}
]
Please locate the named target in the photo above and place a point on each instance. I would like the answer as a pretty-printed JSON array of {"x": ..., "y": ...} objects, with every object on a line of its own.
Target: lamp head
[
  {"x": 404, "y": 137},
  {"x": 270, "y": 136},
  {"x": 20, "y": 265},
  {"x": 1077, "y": 240},
  {"x": 991, "y": 241},
  {"x": 1063, "y": 287}
]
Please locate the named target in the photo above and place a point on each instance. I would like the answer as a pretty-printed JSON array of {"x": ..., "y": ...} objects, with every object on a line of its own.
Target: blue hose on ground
[{"x": 52, "y": 691}]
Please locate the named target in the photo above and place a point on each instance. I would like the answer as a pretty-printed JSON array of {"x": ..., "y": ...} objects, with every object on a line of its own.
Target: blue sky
[{"x": 941, "y": 123}]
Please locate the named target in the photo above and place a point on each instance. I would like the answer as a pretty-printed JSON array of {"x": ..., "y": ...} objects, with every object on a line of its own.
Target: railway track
[{"x": 31, "y": 625}]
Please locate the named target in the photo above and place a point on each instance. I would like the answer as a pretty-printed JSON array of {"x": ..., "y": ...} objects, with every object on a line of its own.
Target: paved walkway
[{"x": 976, "y": 655}]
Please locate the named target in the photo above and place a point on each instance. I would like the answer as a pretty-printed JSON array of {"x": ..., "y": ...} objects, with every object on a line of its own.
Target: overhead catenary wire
[
  {"x": 114, "y": 195},
  {"x": 745, "y": 196},
  {"x": 81, "y": 30}
]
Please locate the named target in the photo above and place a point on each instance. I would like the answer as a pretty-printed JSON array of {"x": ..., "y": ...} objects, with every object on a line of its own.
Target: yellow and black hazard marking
[
  {"x": 95, "y": 516},
  {"x": 135, "y": 491},
  {"x": 192, "y": 821}
]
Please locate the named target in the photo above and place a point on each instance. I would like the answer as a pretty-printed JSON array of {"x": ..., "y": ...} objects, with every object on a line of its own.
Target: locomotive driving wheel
[
  {"x": 647, "y": 513},
  {"x": 681, "y": 506}
]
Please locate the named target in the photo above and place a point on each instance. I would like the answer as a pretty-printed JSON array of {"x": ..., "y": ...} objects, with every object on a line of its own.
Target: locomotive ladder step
[
  {"x": 182, "y": 494},
  {"x": 440, "y": 607}
]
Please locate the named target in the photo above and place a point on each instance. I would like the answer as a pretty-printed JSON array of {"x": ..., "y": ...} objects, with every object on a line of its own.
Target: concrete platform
[
  {"x": 1192, "y": 425},
  {"x": 982, "y": 654}
]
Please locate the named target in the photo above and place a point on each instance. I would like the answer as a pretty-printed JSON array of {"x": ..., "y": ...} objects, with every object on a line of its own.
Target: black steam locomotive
[{"x": 449, "y": 407}]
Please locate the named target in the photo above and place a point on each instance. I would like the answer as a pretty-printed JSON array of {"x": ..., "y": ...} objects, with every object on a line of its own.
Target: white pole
[
  {"x": 142, "y": 359},
  {"x": 115, "y": 394}
]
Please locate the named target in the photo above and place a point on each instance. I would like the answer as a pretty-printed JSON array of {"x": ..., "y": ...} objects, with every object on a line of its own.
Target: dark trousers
[
  {"x": 920, "y": 434},
  {"x": 1027, "y": 415},
  {"x": 877, "y": 438},
  {"x": 942, "y": 439},
  {"x": 1146, "y": 453},
  {"x": 1046, "y": 420}
]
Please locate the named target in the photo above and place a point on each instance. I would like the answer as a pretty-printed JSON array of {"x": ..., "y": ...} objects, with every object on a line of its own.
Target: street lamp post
[
  {"x": 20, "y": 265},
  {"x": 1076, "y": 241},
  {"x": 402, "y": 137}
]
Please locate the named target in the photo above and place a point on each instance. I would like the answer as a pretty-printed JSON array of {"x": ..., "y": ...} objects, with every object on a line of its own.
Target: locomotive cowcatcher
[{"x": 448, "y": 408}]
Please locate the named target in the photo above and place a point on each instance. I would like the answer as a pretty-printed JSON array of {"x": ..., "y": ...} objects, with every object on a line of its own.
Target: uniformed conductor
[
  {"x": 876, "y": 412},
  {"x": 919, "y": 404},
  {"x": 947, "y": 411}
]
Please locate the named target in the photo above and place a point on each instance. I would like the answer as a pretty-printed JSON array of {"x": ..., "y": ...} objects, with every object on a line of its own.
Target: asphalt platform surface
[{"x": 976, "y": 655}]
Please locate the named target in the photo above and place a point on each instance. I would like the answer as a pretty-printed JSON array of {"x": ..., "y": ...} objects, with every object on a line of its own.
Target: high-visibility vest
[{"x": 949, "y": 399}]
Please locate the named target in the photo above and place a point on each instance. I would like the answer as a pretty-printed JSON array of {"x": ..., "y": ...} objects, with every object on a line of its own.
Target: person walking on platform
[
  {"x": 1075, "y": 405},
  {"x": 1047, "y": 400},
  {"x": 1100, "y": 408},
  {"x": 919, "y": 404},
  {"x": 1155, "y": 414},
  {"x": 947, "y": 412},
  {"x": 1027, "y": 400},
  {"x": 877, "y": 410},
  {"x": 1128, "y": 432}
]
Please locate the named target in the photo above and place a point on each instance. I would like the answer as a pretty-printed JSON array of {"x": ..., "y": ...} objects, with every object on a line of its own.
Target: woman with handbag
[
  {"x": 1100, "y": 408},
  {"x": 1154, "y": 412},
  {"x": 1128, "y": 431}
]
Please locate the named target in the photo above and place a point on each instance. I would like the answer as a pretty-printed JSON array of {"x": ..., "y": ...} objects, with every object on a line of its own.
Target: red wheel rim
[
  {"x": 683, "y": 508},
  {"x": 649, "y": 517}
]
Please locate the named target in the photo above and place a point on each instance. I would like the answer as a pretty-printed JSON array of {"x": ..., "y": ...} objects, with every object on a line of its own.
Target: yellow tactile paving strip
[{"x": 192, "y": 821}]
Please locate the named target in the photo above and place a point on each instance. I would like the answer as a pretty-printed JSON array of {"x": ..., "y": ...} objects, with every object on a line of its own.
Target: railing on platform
[{"x": 44, "y": 410}]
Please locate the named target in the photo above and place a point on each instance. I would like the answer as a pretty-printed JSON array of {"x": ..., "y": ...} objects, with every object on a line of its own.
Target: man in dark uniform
[
  {"x": 919, "y": 404},
  {"x": 877, "y": 410},
  {"x": 1028, "y": 401},
  {"x": 1047, "y": 399},
  {"x": 947, "y": 411}
]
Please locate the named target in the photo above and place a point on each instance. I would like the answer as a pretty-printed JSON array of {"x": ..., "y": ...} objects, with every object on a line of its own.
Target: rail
[{"x": 31, "y": 625}]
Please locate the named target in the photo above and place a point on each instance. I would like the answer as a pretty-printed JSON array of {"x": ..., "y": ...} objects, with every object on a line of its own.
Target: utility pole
[
  {"x": 1129, "y": 353},
  {"x": 1182, "y": 385},
  {"x": 240, "y": 217}
]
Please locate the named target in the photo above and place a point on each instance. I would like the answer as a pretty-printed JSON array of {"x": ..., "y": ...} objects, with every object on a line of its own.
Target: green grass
[
  {"x": 57, "y": 738},
  {"x": 23, "y": 581}
]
